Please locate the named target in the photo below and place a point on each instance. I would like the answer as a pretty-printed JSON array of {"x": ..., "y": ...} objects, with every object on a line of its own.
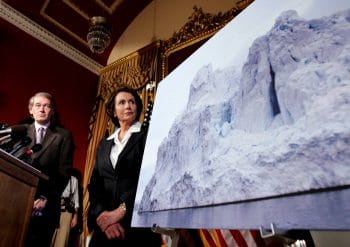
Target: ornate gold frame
[{"x": 200, "y": 27}]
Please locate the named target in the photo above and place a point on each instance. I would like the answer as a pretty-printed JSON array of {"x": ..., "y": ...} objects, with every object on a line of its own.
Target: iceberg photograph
[{"x": 258, "y": 117}]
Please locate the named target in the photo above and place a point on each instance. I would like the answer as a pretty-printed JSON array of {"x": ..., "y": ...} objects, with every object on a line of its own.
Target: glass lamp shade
[{"x": 99, "y": 35}]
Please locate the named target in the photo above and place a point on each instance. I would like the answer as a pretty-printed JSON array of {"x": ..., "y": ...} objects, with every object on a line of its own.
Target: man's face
[{"x": 41, "y": 110}]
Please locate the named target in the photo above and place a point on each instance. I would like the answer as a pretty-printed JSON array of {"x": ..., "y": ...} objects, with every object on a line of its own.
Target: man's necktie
[{"x": 40, "y": 135}]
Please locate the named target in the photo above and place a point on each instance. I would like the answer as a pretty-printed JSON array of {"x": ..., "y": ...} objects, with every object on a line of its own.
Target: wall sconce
[{"x": 99, "y": 35}]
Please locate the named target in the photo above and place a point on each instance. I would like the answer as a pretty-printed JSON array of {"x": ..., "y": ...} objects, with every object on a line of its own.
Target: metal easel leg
[
  {"x": 172, "y": 233},
  {"x": 276, "y": 237}
]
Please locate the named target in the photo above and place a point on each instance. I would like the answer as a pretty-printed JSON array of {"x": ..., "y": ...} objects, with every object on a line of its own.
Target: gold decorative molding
[
  {"x": 134, "y": 70},
  {"x": 199, "y": 26},
  {"x": 139, "y": 70}
]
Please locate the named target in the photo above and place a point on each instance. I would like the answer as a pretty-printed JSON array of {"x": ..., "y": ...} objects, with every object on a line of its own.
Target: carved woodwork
[
  {"x": 199, "y": 28},
  {"x": 138, "y": 70}
]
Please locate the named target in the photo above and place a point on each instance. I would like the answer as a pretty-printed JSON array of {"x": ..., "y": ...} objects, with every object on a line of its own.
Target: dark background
[{"x": 28, "y": 66}]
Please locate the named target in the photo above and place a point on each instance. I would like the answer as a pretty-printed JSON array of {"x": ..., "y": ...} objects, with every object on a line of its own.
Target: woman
[{"x": 113, "y": 182}]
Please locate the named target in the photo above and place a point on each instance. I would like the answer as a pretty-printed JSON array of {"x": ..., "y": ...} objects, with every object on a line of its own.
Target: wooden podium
[{"x": 18, "y": 184}]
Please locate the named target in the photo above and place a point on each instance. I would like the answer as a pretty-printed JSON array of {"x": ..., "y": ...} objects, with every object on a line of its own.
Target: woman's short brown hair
[{"x": 110, "y": 105}]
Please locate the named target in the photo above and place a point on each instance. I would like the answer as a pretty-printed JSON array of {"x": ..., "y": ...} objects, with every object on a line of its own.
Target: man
[
  {"x": 69, "y": 210},
  {"x": 53, "y": 159}
]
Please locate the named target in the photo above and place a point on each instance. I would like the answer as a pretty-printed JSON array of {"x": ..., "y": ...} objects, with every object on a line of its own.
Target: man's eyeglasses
[{"x": 38, "y": 106}]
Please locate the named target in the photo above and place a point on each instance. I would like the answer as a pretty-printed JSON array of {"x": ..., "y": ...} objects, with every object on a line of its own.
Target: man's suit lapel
[
  {"x": 49, "y": 137},
  {"x": 31, "y": 135}
]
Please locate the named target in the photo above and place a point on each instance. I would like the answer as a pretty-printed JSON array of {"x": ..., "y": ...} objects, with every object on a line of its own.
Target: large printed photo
[{"x": 260, "y": 111}]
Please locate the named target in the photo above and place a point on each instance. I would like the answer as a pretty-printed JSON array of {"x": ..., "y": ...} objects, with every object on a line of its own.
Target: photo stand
[
  {"x": 278, "y": 237},
  {"x": 273, "y": 236},
  {"x": 172, "y": 233}
]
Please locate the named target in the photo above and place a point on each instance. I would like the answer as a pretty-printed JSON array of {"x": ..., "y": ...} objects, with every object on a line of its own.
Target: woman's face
[{"x": 125, "y": 107}]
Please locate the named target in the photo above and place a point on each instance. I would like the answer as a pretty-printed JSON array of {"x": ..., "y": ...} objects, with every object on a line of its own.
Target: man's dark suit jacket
[{"x": 55, "y": 157}]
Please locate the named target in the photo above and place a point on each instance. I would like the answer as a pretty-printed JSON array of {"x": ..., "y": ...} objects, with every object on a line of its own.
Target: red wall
[{"x": 28, "y": 66}]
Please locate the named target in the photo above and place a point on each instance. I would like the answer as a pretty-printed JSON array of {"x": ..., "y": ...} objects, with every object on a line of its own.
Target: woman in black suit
[{"x": 114, "y": 179}]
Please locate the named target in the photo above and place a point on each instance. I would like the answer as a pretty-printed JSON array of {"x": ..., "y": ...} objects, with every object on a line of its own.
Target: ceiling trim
[
  {"x": 110, "y": 9},
  {"x": 32, "y": 28},
  {"x": 59, "y": 25}
]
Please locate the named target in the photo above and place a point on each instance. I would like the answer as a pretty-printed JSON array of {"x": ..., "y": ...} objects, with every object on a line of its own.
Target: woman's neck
[{"x": 124, "y": 127}]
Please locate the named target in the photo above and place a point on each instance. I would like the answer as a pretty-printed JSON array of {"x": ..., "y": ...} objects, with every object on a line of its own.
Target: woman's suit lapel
[
  {"x": 134, "y": 139},
  {"x": 105, "y": 154}
]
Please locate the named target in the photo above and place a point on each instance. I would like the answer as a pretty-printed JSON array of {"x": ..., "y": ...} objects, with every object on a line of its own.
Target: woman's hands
[
  {"x": 115, "y": 230},
  {"x": 108, "y": 221}
]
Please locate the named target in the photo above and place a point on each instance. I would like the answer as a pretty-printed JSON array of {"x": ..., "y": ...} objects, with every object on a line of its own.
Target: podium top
[{"x": 20, "y": 164}]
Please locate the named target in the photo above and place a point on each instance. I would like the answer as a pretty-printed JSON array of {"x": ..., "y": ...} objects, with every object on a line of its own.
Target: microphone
[
  {"x": 10, "y": 135},
  {"x": 37, "y": 147},
  {"x": 14, "y": 130},
  {"x": 24, "y": 142},
  {"x": 3, "y": 126},
  {"x": 5, "y": 139}
]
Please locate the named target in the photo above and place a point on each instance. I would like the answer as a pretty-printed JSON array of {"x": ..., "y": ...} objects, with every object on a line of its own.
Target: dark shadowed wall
[{"x": 28, "y": 66}]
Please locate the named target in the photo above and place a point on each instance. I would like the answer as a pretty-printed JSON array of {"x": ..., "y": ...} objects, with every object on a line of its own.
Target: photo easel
[
  {"x": 172, "y": 233},
  {"x": 277, "y": 237}
]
